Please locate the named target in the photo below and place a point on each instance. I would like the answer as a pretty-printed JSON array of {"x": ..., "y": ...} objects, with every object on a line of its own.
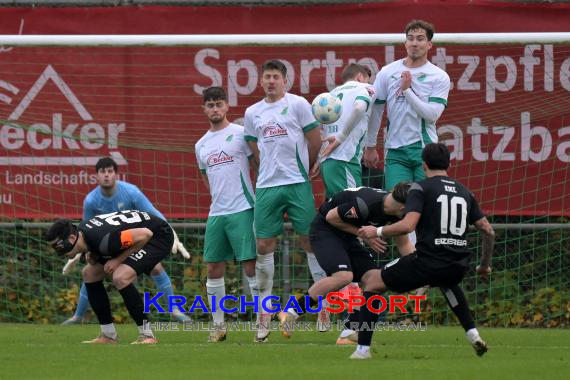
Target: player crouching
[{"x": 123, "y": 245}]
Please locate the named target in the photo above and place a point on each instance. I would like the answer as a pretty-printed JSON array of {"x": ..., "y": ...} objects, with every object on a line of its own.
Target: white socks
[
  {"x": 145, "y": 330},
  {"x": 473, "y": 335},
  {"x": 362, "y": 348},
  {"x": 316, "y": 271},
  {"x": 109, "y": 331},
  {"x": 252, "y": 282},
  {"x": 216, "y": 287},
  {"x": 264, "y": 272}
]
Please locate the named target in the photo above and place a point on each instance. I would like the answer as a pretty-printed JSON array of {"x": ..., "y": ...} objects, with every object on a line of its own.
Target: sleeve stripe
[
  {"x": 379, "y": 101},
  {"x": 364, "y": 99},
  {"x": 437, "y": 100},
  {"x": 250, "y": 138},
  {"x": 311, "y": 126}
]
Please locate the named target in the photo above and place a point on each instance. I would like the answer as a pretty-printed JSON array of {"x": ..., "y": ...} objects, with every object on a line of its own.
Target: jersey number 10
[{"x": 458, "y": 208}]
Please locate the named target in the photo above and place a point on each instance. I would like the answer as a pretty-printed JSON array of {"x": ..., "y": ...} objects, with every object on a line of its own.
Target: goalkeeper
[{"x": 110, "y": 196}]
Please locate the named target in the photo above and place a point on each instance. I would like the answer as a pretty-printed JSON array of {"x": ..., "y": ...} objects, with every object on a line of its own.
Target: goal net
[{"x": 139, "y": 101}]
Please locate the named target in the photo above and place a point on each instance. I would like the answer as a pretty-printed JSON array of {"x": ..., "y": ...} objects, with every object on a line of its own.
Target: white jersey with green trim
[
  {"x": 224, "y": 157},
  {"x": 279, "y": 129},
  {"x": 351, "y": 149},
  {"x": 405, "y": 126}
]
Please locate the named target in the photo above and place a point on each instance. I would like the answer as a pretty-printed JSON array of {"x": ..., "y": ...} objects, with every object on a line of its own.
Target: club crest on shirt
[
  {"x": 217, "y": 159},
  {"x": 351, "y": 214}
]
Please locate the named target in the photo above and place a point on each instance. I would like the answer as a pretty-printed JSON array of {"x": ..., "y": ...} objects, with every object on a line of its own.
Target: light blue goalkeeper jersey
[{"x": 127, "y": 197}]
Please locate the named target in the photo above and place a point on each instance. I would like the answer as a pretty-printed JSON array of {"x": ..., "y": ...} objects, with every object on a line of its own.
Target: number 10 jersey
[{"x": 447, "y": 208}]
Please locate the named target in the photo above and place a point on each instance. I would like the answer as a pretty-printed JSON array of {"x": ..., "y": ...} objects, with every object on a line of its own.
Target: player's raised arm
[{"x": 428, "y": 111}]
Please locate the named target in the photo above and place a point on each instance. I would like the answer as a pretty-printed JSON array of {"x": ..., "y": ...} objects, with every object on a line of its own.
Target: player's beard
[{"x": 215, "y": 119}]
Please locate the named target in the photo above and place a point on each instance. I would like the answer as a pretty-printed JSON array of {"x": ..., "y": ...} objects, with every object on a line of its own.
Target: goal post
[{"x": 66, "y": 101}]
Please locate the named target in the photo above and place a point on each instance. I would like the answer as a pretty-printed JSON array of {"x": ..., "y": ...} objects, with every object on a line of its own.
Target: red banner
[{"x": 507, "y": 123}]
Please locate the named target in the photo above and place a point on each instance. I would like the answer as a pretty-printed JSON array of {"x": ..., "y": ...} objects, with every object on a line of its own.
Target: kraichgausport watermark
[
  {"x": 335, "y": 303},
  {"x": 276, "y": 326}
]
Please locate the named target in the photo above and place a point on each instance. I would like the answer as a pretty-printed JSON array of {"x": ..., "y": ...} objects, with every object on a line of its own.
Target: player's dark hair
[
  {"x": 106, "y": 162},
  {"x": 421, "y": 24},
  {"x": 274, "y": 64},
  {"x": 214, "y": 94},
  {"x": 400, "y": 191},
  {"x": 353, "y": 69},
  {"x": 436, "y": 156},
  {"x": 58, "y": 234}
]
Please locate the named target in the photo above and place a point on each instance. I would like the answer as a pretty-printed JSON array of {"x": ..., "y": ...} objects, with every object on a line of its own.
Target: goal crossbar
[{"x": 275, "y": 39}]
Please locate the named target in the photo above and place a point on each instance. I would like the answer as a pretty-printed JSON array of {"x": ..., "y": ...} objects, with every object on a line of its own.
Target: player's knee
[
  {"x": 158, "y": 269},
  {"x": 373, "y": 282},
  {"x": 343, "y": 278},
  {"x": 123, "y": 277},
  {"x": 249, "y": 267},
  {"x": 92, "y": 273},
  {"x": 266, "y": 245},
  {"x": 216, "y": 270},
  {"x": 305, "y": 243}
]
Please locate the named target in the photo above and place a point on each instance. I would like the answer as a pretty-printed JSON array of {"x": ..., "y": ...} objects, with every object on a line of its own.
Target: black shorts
[
  {"x": 157, "y": 248},
  {"x": 413, "y": 271},
  {"x": 338, "y": 251}
]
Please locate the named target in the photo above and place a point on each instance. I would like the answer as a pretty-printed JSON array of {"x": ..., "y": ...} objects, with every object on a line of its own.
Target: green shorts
[
  {"x": 339, "y": 175},
  {"x": 403, "y": 164},
  {"x": 229, "y": 236},
  {"x": 272, "y": 202}
]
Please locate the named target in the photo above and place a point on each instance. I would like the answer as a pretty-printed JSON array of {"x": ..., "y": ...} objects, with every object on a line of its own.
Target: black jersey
[
  {"x": 447, "y": 208},
  {"x": 103, "y": 233},
  {"x": 359, "y": 206}
]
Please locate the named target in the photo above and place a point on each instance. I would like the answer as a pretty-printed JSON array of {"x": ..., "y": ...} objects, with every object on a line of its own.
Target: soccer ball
[{"x": 326, "y": 108}]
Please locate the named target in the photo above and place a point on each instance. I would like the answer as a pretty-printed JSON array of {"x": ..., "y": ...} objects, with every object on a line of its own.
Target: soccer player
[
  {"x": 334, "y": 233},
  {"x": 122, "y": 245},
  {"x": 285, "y": 140},
  {"x": 415, "y": 93},
  {"x": 112, "y": 195},
  {"x": 223, "y": 158},
  {"x": 440, "y": 209},
  {"x": 340, "y": 160}
]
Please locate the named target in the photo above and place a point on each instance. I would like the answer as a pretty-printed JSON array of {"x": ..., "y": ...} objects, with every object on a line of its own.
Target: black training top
[
  {"x": 360, "y": 206},
  {"x": 106, "y": 234},
  {"x": 447, "y": 208}
]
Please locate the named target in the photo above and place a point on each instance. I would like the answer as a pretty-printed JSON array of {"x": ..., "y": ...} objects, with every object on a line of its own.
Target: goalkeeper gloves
[
  {"x": 71, "y": 264},
  {"x": 178, "y": 247}
]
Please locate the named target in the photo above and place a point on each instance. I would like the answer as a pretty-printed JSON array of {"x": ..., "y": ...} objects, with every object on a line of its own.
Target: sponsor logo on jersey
[
  {"x": 351, "y": 214},
  {"x": 274, "y": 130},
  {"x": 221, "y": 158}
]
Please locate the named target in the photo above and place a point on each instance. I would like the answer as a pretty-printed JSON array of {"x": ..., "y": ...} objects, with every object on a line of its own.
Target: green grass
[{"x": 48, "y": 351}]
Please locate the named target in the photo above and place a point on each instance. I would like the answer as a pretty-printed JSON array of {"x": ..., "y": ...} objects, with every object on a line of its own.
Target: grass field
[{"x": 50, "y": 351}]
